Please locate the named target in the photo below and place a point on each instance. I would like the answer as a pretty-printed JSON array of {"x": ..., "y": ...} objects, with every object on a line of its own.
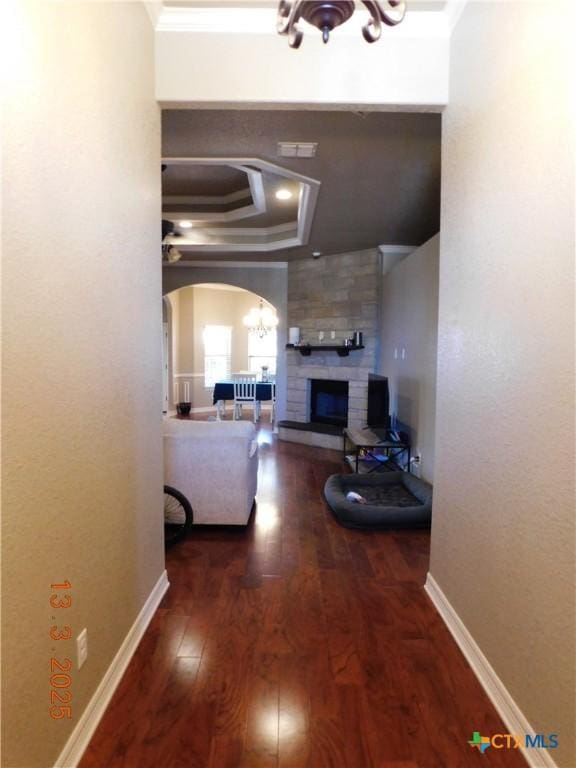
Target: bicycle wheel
[{"x": 178, "y": 516}]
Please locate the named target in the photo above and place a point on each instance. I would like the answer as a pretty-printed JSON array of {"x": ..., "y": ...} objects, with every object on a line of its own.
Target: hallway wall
[
  {"x": 503, "y": 524},
  {"x": 81, "y": 312},
  {"x": 409, "y": 322}
]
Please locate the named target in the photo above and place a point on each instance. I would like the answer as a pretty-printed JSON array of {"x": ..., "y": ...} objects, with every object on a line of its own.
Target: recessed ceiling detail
[
  {"x": 190, "y": 192},
  {"x": 380, "y": 174},
  {"x": 232, "y": 205}
]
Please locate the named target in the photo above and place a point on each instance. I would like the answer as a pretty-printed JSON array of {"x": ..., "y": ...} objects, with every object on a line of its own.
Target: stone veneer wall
[{"x": 338, "y": 293}]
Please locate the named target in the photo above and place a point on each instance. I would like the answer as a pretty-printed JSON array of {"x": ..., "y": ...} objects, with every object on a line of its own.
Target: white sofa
[{"x": 215, "y": 465}]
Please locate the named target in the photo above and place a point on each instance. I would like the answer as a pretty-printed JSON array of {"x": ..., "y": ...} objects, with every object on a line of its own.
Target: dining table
[{"x": 224, "y": 390}]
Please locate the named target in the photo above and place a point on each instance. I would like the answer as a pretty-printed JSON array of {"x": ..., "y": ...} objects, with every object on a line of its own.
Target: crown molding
[
  {"x": 397, "y": 248},
  {"x": 262, "y": 21},
  {"x": 241, "y": 163},
  {"x": 255, "y": 191},
  {"x": 154, "y": 9},
  {"x": 275, "y": 229},
  {"x": 227, "y": 264},
  {"x": 265, "y": 239},
  {"x": 231, "y": 197},
  {"x": 453, "y": 11}
]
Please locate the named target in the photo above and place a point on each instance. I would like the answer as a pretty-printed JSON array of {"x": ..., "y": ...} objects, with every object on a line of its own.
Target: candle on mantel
[
  {"x": 175, "y": 391},
  {"x": 294, "y": 335},
  {"x": 186, "y": 392}
]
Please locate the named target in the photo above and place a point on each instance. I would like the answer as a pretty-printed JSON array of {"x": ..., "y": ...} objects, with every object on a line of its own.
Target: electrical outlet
[
  {"x": 82, "y": 647},
  {"x": 416, "y": 465}
]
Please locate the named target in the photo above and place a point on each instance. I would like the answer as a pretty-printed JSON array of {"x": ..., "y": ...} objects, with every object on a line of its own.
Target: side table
[{"x": 392, "y": 448}]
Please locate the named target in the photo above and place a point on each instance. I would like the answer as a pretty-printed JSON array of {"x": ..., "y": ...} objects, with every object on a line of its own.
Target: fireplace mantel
[{"x": 307, "y": 349}]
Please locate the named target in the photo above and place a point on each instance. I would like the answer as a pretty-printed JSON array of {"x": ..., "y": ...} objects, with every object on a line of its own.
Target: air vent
[{"x": 297, "y": 149}]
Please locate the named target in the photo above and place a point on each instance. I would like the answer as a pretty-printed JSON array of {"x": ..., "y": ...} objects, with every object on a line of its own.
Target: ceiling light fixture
[
  {"x": 185, "y": 224},
  {"x": 260, "y": 320},
  {"x": 283, "y": 194},
  {"x": 328, "y": 14},
  {"x": 170, "y": 253}
]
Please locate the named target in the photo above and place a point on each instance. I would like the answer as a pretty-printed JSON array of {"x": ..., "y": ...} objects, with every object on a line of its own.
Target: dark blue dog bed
[{"x": 393, "y": 500}]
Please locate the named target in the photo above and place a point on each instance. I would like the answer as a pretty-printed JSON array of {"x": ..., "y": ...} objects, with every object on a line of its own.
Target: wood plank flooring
[{"x": 297, "y": 643}]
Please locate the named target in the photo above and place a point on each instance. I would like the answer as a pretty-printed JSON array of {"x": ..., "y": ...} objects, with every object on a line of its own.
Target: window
[
  {"x": 217, "y": 353},
  {"x": 262, "y": 351}
]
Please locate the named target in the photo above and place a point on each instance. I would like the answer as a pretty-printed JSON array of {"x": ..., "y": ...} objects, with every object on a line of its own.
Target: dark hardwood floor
[{"x": 297, "y": 643}]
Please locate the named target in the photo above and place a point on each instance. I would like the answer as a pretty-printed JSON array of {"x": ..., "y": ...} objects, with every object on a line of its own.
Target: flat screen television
[{"x": 378, "y": 403}]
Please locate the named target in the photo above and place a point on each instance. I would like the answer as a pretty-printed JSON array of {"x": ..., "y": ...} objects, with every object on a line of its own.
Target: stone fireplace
[{"x": 331, "y": 296}]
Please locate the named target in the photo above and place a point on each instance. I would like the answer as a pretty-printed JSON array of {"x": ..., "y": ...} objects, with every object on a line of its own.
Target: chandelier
[
  {"x": 260, "y": 320},
  {"x": 328, "y": 14}
]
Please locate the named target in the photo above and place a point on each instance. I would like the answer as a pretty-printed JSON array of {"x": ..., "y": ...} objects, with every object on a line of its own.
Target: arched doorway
[{"x": 209, "y": 341}]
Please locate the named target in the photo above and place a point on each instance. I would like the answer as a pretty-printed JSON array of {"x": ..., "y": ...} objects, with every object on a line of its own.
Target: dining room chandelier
[
  {"x": 260, "y": 320},
  {"x": 328, "y": 14}
]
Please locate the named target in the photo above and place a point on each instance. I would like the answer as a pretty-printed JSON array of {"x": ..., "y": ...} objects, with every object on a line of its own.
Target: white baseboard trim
[
  {"x": 498, "y": 694},
  {"x": 90, "y": 718}
]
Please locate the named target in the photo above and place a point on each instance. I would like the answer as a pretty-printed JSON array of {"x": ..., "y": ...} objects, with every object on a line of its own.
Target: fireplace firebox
[{"x": 329, "y": 402}]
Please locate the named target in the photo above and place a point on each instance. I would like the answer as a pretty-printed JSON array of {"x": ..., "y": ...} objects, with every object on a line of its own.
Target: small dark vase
[{"x": 183, "y": 409}]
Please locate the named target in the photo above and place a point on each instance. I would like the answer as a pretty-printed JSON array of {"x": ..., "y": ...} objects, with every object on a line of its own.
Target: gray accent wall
[{"x": 409, "y": 347}]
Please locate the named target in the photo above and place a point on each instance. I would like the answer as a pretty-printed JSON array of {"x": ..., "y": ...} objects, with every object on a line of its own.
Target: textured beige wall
[
  {"x": 81, "y": 448},
  {"x": 174, "y": 335},
  {"x": 186, "y": 324},
  {"x": 409, "y": 321},
  {"x": 503, "y": 524}
]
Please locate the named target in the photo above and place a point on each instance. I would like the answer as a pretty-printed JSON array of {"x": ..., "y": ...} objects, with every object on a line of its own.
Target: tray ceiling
[{"x": 378, "y": 175}]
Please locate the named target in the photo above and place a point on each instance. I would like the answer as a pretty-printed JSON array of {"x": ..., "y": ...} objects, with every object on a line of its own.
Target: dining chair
[
  {"x": 272, "y": 380},
  {"x": 245, "y": 392}
]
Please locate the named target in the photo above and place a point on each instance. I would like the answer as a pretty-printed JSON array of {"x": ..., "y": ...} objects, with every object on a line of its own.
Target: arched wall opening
[{"x": 199, "y": 297}]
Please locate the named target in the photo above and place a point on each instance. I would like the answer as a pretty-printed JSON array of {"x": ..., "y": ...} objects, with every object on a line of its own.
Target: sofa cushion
[{"x": 202, "y": 429}]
